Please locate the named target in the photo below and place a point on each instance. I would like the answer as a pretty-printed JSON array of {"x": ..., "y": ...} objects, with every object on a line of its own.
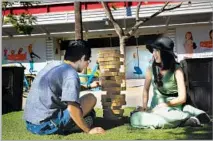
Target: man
[{"x": 53, "y": 104}]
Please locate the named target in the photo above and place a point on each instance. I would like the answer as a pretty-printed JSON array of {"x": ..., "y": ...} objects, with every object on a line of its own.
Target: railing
[{"x": 196, "y": 7}]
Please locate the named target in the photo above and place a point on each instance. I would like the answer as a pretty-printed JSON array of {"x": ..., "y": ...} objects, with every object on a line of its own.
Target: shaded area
[
  {"x": 109, "y": 124},
  {"x": 196, "y": 133}
]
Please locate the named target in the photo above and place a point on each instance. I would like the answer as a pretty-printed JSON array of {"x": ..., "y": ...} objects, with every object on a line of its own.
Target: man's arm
[
  {"x": 84, "y": 87},
  {"x": 94, "y": 84},
  {"x": 77, "y": 116}
]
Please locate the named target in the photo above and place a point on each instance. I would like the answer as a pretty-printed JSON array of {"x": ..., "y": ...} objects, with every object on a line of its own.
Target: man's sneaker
[
  {"x": 203, "y": 118},
  {"x": 193, "y": 122}
]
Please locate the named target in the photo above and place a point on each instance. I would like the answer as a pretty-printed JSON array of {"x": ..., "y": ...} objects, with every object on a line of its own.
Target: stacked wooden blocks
[{"x": 111, "y": 79}]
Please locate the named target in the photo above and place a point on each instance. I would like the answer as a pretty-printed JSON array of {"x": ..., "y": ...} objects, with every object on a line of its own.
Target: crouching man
[{"x": 53, "y": 105}]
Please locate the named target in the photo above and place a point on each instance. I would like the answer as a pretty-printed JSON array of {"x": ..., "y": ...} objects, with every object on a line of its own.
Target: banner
[{"x": 194, "y": 42}]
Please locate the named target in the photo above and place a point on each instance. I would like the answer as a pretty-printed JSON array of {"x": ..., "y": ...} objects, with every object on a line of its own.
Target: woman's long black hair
[{"x": 168, "y": 62}]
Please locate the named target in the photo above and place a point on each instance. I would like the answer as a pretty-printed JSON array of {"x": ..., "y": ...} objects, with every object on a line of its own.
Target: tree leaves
[{"x": 22, "y": 23}]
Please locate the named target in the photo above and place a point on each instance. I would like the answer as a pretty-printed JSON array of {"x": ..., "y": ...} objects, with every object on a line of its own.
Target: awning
[{"x": 98, "y": 29}]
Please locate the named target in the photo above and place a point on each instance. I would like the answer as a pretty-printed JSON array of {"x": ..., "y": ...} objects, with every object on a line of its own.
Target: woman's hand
[
  {"x": 161, "y": 105},
  {"x": 139, "y": 108}
]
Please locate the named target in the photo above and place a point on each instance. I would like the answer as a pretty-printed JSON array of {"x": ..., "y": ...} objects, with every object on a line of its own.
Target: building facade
[{"x": 56, "y": 22}]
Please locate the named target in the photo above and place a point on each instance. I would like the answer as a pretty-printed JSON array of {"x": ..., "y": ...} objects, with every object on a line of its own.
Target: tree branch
[
  {"x": 109, "y": 15},
  {"x": 137, "y": 11},
  {"x": 140, "y": 22}
]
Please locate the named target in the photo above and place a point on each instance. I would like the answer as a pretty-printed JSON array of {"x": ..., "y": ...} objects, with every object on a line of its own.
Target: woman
[
  {"x": 167, "y": 106},
  {"x": 188, "y": 44}
]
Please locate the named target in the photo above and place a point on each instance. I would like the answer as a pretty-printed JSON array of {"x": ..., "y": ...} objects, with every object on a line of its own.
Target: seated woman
[{"x": 168, "y": 109}]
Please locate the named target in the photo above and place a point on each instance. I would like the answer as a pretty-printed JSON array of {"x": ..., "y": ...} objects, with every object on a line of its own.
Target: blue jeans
[{"x": 59, "y": 125}]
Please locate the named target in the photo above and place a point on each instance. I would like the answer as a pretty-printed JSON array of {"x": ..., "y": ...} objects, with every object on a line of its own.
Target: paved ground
[{"x": 133, "y": 93}]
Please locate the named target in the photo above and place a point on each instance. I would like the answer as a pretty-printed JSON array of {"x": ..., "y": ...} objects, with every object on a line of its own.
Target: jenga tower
[{"x": 111, "y": 79}]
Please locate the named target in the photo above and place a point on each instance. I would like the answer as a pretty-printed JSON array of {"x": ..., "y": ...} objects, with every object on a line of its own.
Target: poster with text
[{"x": 194, "y": 42}]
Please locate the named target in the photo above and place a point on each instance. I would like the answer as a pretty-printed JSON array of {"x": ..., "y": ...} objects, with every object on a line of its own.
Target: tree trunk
[
  {"x": 79, "y": 26},
  {"x": 78, "y": 21},
  {"x": 123, "y": 67}
]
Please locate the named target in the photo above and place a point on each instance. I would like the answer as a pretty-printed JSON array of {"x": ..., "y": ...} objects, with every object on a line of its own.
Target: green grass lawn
[{"x": 13, "y": 128}]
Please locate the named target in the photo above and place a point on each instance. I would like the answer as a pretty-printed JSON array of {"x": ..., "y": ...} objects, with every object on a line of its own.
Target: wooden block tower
[{"x": 111, "y": 79}]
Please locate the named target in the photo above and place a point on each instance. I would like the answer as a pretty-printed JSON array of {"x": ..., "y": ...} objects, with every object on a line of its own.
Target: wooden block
[
  {"x": 123, "y": 88},
  {"x": 102, "y": 63},
  {"x": 114, "y": 103},
  {"x": 100, "y": 59},
  {"x": 108, "y": 114},
  {"x": 100, "y": 55},
  {"x": 112, "y": 98},
  {"x": 114, "y": 63},
  {"x": 116, "y": 100},
  {"x": 114, "y": 55},
  {"x": 112, "y": 59},
  {"x": 110, "y": 83},
  {"x": 118, "y": 112},
  {"x": 109, "y": 63},
  {"x": 102, "y": 78},
  {"x": 121, "y": 56},
  {"x": 110, "y": 70},
  {"x": 104, "y": 67},
  {"x": 112, "y": 107},
  {"x": 109, "y": 74},
  {"x": 113, "y": 93},
  {"x": 110, "y": 66},
  {"x": 108, "y": 51},
  {"x": 112, "y": 89},
  {"x": 111, "y": 78}
]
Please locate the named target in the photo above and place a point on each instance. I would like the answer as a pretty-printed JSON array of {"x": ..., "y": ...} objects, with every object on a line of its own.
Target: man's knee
[{"x": 92, "y": 99}]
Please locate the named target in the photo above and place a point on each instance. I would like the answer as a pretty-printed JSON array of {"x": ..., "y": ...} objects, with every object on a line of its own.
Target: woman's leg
[
  {"x": 201, "y": 115},
  {"x": 161, "y": 118}
]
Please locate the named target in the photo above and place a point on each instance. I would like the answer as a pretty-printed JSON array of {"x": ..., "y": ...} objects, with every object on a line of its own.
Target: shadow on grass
[
  {"x": 109, "y": 124},
  {"x": 195, "y": 133},
  {"x": 104, "y": 123}
]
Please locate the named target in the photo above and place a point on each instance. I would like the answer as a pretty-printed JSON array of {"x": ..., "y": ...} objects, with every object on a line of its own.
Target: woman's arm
[
  {"x": 181, "y": 99},
  {"x": 145, "y": 95},
  {"x": 181, "y": 89}
]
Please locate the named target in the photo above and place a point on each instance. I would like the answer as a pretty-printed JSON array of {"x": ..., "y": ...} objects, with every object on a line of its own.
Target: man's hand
[
  {"x": 97, "y": 130},
  {"x": 95, "y": 84}
]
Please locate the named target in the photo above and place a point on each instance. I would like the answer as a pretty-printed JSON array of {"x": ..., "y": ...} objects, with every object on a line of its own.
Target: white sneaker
[{"x": 192, "y": 121}]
